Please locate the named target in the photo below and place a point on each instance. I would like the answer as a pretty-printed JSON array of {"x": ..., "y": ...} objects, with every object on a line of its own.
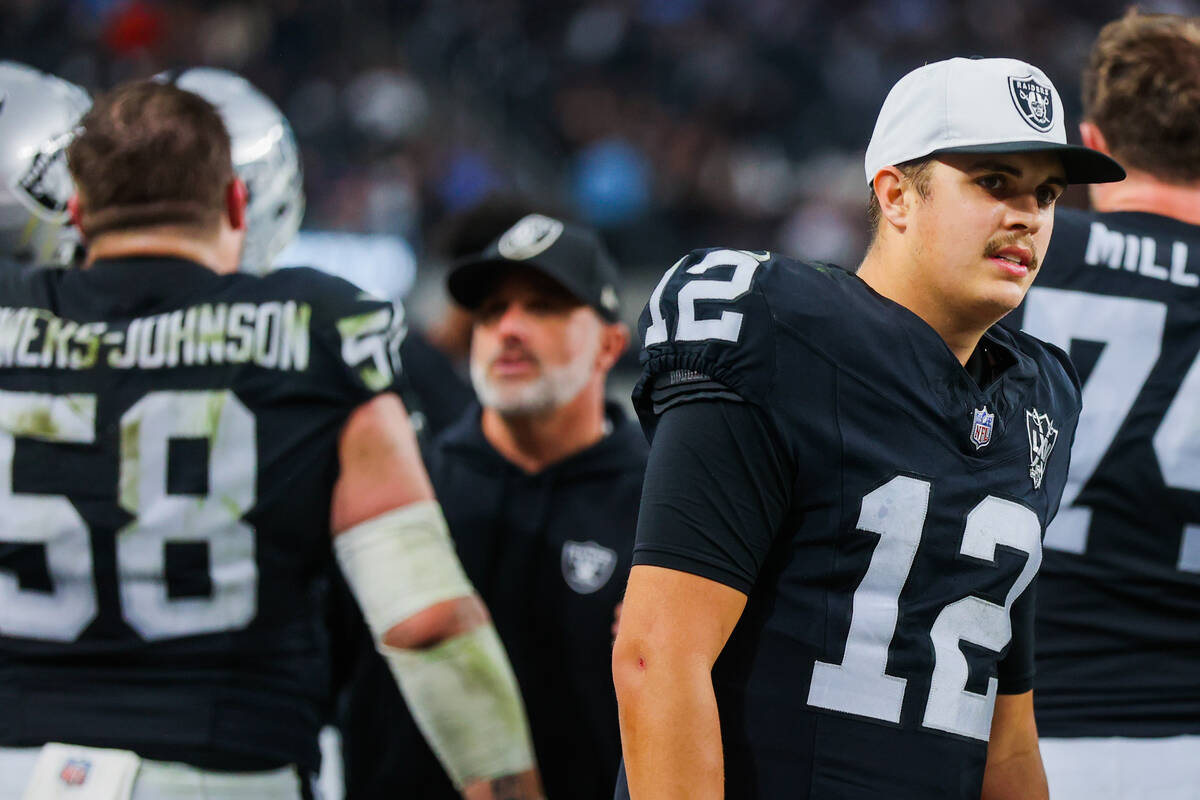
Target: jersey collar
[{"x": 144, "y": 284}]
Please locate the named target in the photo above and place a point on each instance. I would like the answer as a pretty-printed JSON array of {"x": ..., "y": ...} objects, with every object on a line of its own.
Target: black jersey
[
  {"x": 1119, "y": 607},
  {"x": 890, "y": 599},
  {"x": 168, "y": 446}
]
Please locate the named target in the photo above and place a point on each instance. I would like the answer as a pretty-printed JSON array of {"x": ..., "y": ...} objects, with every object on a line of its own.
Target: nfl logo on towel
[
  {"x": 75, "y": 772},
  {"x": 981, "y": 430}
]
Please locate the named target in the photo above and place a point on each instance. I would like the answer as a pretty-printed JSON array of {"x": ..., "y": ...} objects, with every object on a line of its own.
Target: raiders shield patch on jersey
[
  {"x": 1034, "y": 101},
  {"x": 587, "y": 566},
  {"x": 1042, "y": 436}
]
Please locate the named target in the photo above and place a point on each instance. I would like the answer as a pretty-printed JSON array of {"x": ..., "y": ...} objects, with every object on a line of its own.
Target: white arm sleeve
[{"x": 462, "y": 691}]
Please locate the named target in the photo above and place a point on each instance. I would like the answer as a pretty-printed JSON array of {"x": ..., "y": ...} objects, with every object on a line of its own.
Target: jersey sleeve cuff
[
  {"x": 1016, "y": 685},
  {"x": 671, "y": 558}
]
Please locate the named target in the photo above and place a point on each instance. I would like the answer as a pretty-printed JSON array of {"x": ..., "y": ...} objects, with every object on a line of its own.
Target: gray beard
[{"x": 553, "y": 388}]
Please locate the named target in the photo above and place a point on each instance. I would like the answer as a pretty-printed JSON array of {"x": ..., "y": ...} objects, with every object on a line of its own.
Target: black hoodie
[{"x": 549, "y": 553}]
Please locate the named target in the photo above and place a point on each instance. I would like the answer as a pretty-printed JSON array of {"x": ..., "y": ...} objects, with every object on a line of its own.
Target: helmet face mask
[
  {"x": 38, "y": 117},
  {"x": 265, "y": 157}
]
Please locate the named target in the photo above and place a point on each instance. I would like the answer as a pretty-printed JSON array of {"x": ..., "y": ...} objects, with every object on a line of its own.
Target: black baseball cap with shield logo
[{"x": 569, "y": 254}]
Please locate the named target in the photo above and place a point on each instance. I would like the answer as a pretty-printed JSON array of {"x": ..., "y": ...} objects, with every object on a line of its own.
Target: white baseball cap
[{"x": 979, "y": 105}]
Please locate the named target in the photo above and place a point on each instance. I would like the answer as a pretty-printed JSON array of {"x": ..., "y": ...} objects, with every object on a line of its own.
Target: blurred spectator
[
  {"x": 541, "y": 488},
  {"x": 689, "y": 118}
]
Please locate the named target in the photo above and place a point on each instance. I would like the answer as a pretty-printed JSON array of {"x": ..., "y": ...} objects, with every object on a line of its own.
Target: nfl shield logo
[
  {"x": 981, "y": 430},
  {"x": 1034, "y": 101},
  {"x": 75, "y": 772}
]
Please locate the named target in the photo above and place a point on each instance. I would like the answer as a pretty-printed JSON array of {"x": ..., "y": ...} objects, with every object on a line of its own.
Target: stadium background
[{"x": 669, "y": 124}]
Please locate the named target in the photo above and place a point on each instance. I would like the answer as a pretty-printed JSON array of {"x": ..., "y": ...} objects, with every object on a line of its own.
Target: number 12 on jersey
[
  {"x": 860, "y": 684},
  {"x": 728, "y": 326}
]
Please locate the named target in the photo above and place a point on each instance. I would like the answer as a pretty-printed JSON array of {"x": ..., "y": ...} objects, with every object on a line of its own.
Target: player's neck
[
  {"x": 882, "y": 273},
  {"x": 1141, "y": 191},
  {"x": 536, "y": 441},
  {"x": 160, "y": 241}
]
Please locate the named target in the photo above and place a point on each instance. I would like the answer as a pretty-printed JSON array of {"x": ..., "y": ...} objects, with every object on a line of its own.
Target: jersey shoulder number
[
  {"x": 362, "y": 332},
  {"x": 713, "y": 318}
]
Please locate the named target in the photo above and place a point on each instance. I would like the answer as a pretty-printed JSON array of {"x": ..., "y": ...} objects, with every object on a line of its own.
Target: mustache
[
  {"x": 1013, "y": 240},
  {"x": 511, "y": 351}
]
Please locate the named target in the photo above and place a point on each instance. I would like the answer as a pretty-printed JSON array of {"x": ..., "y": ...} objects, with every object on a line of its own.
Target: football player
[
  {"x": 177, "y": 439},
  {"x": 1118, "y": 622},
  {"x": 38, "y": 113},
  {"x": 850, "y": 475}
]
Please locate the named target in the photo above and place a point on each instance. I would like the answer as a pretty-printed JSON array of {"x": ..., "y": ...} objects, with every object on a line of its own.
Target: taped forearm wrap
[
  {"x": 464, "y": 698},
  {"x": 399, "y": 563},
  {"x": 461, "y": 692}
]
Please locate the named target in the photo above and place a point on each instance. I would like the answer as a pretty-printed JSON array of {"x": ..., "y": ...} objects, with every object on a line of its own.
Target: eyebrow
[{"x": 1009, "y": 169}]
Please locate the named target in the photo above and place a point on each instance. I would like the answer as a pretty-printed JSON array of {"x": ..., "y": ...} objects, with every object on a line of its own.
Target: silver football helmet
[
  {"x": 265, "y": 158},
  {"x": 38, "y": 117}
]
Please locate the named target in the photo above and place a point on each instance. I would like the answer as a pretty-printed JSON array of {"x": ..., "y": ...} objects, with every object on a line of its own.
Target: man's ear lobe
[
  {"x": 1092, "y": 137},
  {"x": 236, "y": 199},
  {"x": 75, "y": 213},
  {"x": 890, "y": 192}
]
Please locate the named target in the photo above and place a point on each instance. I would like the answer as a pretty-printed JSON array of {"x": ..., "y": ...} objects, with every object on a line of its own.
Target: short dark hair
[
  {"x": 150, "y": 153},
  {"x": 915, "y": 172},
  {"x": 1141, "y": 88}
]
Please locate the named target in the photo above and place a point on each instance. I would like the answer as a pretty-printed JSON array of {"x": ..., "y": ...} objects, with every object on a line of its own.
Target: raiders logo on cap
[
  {"x": 1034, "y": 102},
  {"x": 529, "y": 237}
]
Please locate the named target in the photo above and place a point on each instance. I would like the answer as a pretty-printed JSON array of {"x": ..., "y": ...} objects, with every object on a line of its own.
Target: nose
[
  {"x": 512, "y": 321},
  {"x": 1023, "y": 213}
]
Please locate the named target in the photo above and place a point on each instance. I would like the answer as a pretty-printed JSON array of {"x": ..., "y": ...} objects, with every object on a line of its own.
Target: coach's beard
[{"x": 551, "y": 388}]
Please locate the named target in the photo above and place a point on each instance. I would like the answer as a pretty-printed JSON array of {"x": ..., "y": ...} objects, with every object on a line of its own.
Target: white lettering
[
  {"x": 266, "y": 334},
  {"x": 294, "y": 354},
  {"x": 29, "y": 332},
  {"x": 241, "y": 318},
  {"x": 1132, "y": 248},
  {"x": 1147, "y": 266},
  {"x": 1104, "y": 247},
  {"x": 152, "y": 350},
  {"x": 88, "y": 336},
  {"x": 119, "y": 360},
  {"x": 10, "y": 329},
  {"x": 1179, "y": 273},
  {"x": 211, "y": 324}
]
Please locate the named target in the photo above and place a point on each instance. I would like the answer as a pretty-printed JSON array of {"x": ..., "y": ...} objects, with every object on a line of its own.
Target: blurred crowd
[{"x": 668, "y": 124}]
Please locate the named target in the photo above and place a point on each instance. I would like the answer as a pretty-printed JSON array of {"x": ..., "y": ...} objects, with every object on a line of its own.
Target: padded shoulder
[{"x": 710, "y": 327}]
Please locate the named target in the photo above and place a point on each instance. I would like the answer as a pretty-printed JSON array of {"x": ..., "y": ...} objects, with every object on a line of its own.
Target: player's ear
[
  {"x": 76, "y": 214},
  {"x": 236, "y": 198},
  {"x": 614, "y": 340},
  {"x": 894, "y": 194},
  {"x": 1091, "y": 136}
]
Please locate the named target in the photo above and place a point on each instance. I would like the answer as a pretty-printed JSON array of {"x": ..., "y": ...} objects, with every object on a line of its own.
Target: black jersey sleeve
[
  {"x": 1015, "y": 672},
  {"x": 707, "y": 333},
  {"x": 716, "y": 490}
]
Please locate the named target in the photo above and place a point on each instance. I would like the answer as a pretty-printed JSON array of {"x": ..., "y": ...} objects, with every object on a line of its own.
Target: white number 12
[
  {"x": 727, "y": 327},
  {"x": 860, "y": 684}
]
